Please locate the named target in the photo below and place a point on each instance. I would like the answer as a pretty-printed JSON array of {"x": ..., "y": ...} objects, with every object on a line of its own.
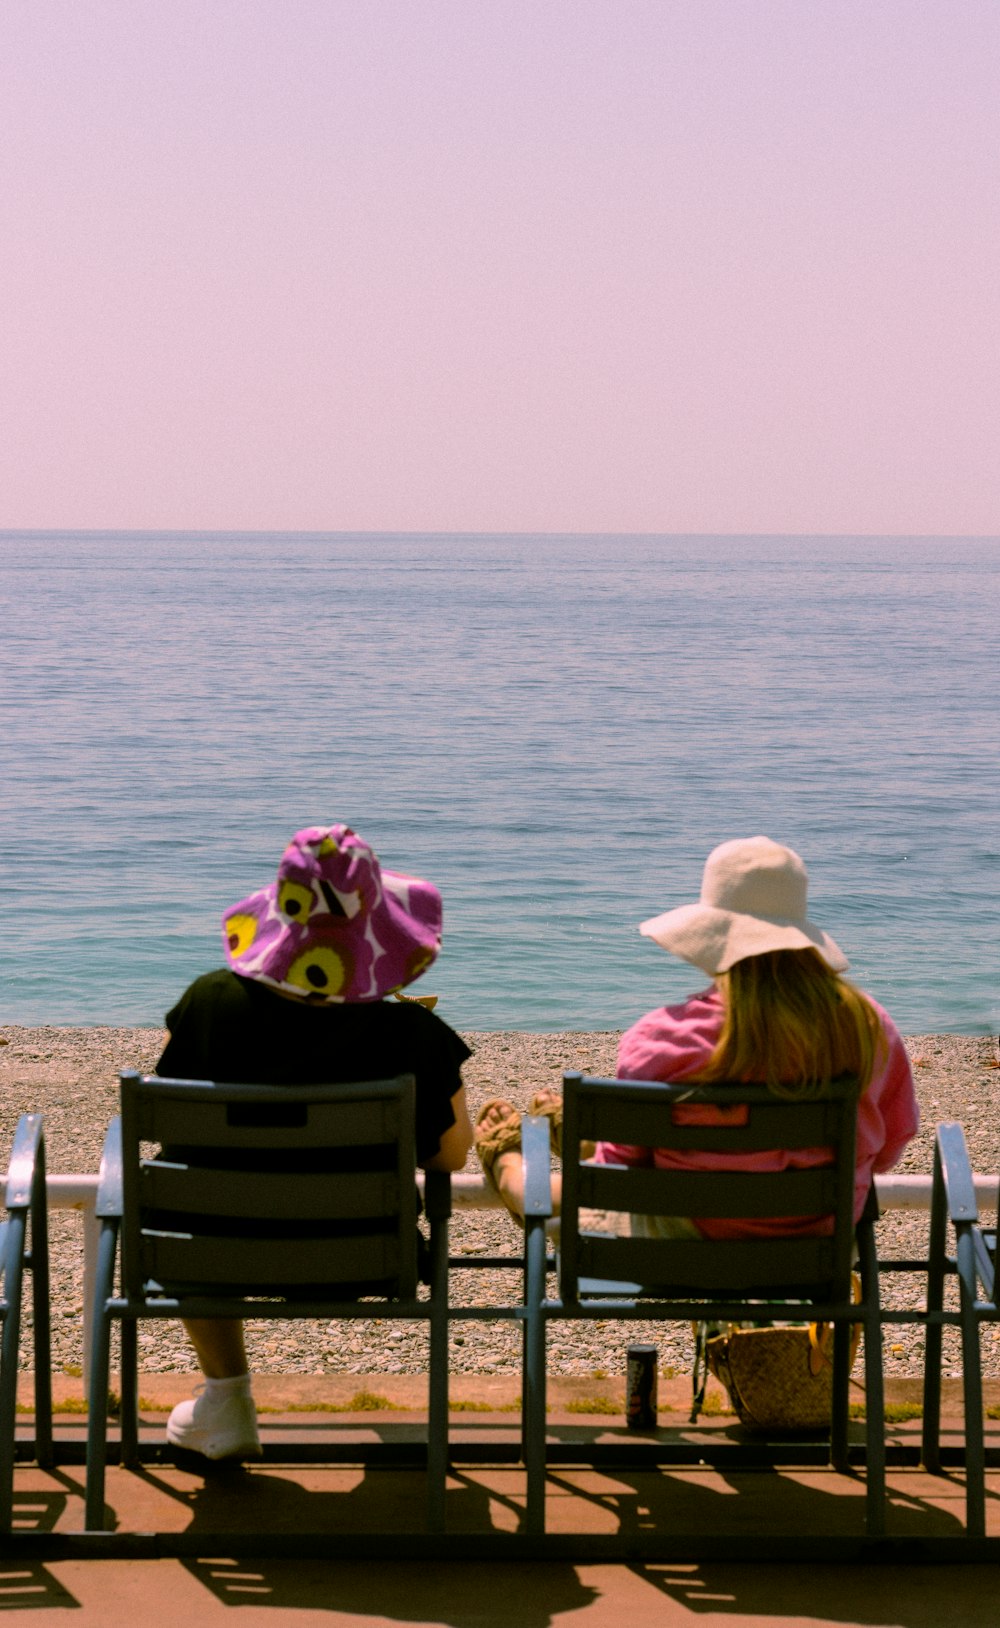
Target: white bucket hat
[{"x": 753, "y": 899}]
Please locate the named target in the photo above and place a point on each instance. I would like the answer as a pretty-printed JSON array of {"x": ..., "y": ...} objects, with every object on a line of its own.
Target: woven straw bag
[{"x": 779, "y": 1378}]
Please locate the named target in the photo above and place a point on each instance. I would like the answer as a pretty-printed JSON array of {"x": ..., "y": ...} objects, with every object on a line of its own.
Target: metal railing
[{"x": 78, "y": 1192}]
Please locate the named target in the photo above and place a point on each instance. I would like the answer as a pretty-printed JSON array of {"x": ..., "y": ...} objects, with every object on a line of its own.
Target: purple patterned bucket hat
[{"x": 334, "y": 926}]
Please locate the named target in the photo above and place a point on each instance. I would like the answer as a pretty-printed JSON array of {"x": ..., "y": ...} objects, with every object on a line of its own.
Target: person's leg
[
  {"x": 220, "y": 1421},
  {"x": 508, "y": 1172},
  {"x": 498, "y": 1124},
  {"x": 218, "y": 1345}
]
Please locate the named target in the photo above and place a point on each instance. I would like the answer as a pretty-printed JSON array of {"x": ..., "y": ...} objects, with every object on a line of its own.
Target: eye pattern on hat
[
  {"x": 318, "y": 971},
  {"x": 295, "y": 901},
  {"x": 241, "y": 931}
]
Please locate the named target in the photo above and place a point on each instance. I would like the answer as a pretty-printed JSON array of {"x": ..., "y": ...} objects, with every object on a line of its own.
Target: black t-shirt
[{"x": 238, "y": 1032}]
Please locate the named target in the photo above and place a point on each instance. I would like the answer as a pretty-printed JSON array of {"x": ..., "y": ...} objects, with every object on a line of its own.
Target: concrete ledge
[{"x": 494, "y": 1393}]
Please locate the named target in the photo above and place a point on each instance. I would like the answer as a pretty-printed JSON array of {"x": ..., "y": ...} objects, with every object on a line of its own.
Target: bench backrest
[
  {"x": 643, "y": 1114},
  {"x": 296, "y": 1190}
]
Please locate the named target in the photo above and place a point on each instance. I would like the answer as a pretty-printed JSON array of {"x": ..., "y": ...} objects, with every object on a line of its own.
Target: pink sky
[{"x": 573, "y": 265}]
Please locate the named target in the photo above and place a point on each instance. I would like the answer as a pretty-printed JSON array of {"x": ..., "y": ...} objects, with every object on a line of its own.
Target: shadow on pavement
[{"x": 886, "y": 1596}]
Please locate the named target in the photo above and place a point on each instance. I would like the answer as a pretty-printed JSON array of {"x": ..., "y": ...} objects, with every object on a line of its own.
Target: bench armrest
[
  {"x": 23, "y": 1160},
  {"x": 537, "y": 1166},
  {"x": 956, "y": 1172},
  {"x": 110, "y": 1196}
]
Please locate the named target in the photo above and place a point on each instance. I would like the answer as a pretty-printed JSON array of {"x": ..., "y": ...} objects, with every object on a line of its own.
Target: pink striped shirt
[{"x": 675, "y": 1041}]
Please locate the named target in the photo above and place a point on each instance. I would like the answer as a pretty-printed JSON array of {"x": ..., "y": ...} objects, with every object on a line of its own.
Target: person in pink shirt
[{"x": 778, "y": 1013}]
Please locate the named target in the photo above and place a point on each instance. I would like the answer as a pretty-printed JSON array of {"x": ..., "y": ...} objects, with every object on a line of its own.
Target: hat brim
[
  {"x": 375, "y": 953},
  {"x": 715, "y": 940}
]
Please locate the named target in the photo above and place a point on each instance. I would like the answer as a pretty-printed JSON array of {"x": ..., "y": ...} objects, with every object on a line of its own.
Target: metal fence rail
[{"x": 79, "y": 1192}]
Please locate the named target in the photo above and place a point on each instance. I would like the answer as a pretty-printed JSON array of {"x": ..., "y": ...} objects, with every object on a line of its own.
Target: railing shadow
[
  {"x": 464, "y": 1594},
  {"x": 914, "y": 1596},
  {"x": 27, "y": 1585}
]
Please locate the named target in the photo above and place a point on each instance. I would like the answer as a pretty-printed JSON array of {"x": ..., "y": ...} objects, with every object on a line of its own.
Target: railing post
[{"x": 79, "y": 1192}]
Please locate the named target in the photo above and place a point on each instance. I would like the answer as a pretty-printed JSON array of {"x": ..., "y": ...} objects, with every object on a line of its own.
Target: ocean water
[{"x": 554, "y": 729}]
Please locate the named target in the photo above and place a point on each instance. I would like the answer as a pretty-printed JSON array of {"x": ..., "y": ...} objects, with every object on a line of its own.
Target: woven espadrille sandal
[
  {"x": 503, "y": 1137},
  {"x": 549, "y": 1105}
]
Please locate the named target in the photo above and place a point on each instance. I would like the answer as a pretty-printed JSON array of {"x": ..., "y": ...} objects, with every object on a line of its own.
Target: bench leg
[
  {"x": 437, "y": 1407},
  {"x": 9, "y": 1345},
  {"x": 100, "y": 1366},
  {"x": 535, "y": 1333},
  {"x": 972, "y": 1392}
]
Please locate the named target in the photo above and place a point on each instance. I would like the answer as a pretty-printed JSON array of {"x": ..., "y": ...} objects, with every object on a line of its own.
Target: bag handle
[{"x": 820, "y": 1334}]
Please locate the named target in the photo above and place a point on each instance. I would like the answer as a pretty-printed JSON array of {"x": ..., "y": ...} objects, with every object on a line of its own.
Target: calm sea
[{"x": 554, "y": 729}]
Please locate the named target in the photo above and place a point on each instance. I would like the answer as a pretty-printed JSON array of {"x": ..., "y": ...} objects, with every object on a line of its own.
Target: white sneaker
[{"x": 218, "y": 1426}]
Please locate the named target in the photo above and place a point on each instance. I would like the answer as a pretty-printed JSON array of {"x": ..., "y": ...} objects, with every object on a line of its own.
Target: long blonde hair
[{"x": 793, "y": 1025}]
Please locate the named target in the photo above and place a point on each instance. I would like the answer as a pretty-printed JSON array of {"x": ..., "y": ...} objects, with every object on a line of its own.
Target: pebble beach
[{"x": 70, "y": 1075}]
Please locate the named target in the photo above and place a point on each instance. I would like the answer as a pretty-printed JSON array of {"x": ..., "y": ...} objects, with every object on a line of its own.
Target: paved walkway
[
  {"x": 317, "y": 1594},
  {"x": 227, "y": 1578}
]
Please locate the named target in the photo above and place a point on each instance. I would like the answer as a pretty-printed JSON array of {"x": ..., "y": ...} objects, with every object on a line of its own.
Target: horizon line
[{"x": 354, "y": 531}]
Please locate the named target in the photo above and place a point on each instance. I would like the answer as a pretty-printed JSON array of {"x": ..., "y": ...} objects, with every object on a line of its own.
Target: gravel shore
[{"x": 70, "y": 1075}]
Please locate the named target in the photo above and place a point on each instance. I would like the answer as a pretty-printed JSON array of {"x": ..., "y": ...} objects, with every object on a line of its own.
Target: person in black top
[
  {"x": 312, "y": 959},
  {"x": 226, "y": 1027}
]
